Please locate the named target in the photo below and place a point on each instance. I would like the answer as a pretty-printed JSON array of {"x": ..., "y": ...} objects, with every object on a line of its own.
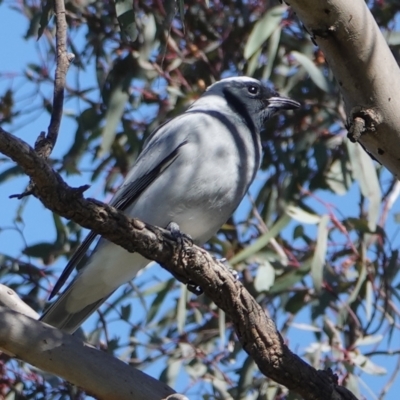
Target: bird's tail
[{"x": 58, "y": 316}]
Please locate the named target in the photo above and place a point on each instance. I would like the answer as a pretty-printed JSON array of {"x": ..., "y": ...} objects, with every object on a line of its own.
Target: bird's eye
[{"x": 252, "y": 89}]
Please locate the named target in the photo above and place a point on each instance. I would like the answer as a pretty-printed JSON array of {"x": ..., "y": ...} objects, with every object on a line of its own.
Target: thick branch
[
  {"x": 367, "y": 73},
  {"x": 102, "y": 375}
]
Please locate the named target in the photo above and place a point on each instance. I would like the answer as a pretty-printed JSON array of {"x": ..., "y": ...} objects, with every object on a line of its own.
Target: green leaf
[
  {"x": 361, "y": 225},
  {"x": 39, "y": 250},
  {"x": 253, "y": 63},
  {"x": 61, "y": 229},
  {"x": 126, "y": 19},
  {"x": 318, "y": 261},
  {"x": 288, "y": 279},
  {"x": 315, "y": 73},
  {"x": 262, "y": 241},
  {"x": 45, "y": 16},
  {"x": 303, "y": 216},
  {"x": 116, "y": 106},
  {"x": 170, "y": 373},
  {"x": 11, "y": 173},
  {"x": 273, "y": 46},
  {"x": 265, "y": 277},
  {"x": 182, "y": 12},
  {"x": 368, "y": 300},
  {"x": 296, "y": 302},
  {"x": 351, "y": 383},
  {"x": 366, "y": 364},
  {"x": 263, "y": 29},
  {"x": 126, "y": 312},
  {"x": 338, "y": 177},
  {"x": 182, "y": 309},
  {"x": 221, "y": 328},
  {"x": 164, "y": 288},
  {"x": 364, "y": 172}
]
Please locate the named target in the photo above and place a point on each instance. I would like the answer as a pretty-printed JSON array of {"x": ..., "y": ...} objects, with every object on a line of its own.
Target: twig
[{"x": 45, "y": 143}]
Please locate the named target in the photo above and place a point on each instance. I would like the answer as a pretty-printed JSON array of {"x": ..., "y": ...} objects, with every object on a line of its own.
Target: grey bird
[{"x": 194, "y": 171}]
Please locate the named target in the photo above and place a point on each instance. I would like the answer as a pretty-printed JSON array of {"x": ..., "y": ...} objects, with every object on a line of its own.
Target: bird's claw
[
  {"x": 184, "y": 239},
  {"x": 180, "y": 237}
]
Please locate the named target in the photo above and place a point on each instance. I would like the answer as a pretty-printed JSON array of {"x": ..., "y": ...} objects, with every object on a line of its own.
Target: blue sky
[{"x": 38, "y": 223}]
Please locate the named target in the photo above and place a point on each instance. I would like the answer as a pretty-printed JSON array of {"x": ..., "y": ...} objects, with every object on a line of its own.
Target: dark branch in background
[
  {"x": 257, "y": 333},
  {"x": 45, "y": 143}
]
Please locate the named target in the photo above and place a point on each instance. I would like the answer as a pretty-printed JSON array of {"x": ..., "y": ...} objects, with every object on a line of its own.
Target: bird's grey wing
[{"x": 128, "y": 193}]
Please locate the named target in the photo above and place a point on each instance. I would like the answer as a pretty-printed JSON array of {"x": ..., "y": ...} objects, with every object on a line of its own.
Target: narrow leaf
[
  {"x": 262, "y": 241},
  {"x": 315, "y": 73},
  {"x": 45, "y": 16},
  {"x": 265, "y": 277},
  {"x": 116, "y": 106},
  {"x": 263, "y": 29},
  {"x": 273, "y": 46},
  {"x": 318, "y": 261},
  {"x": 365, "y": 172},
  {"x": 182, "y": 311},
  {"x": 301, "y": 215}
]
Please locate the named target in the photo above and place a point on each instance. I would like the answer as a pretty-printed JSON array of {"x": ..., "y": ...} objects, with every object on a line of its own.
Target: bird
[{"x": 193, "y": 171}]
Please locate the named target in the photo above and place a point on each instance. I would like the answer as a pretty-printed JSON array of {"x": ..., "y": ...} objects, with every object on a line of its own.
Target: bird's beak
[{"x": 282, "y": 103}]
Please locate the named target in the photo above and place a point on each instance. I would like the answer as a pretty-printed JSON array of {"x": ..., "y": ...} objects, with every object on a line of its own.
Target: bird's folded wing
[{"x": 124, "y": 197}]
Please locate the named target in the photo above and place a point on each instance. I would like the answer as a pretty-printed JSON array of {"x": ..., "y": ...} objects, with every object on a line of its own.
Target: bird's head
[{"x": 249, "y": 98}]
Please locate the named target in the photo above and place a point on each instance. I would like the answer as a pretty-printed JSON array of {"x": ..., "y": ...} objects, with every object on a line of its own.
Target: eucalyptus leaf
[
  {"x": 263, "y": 29},
  {"x": 315, "y": 73},
  {"x": 319, "y": 258}
]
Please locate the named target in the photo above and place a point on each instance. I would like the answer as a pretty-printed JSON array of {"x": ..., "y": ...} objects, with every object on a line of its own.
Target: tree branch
[
  {"x": 99, "y": 373},
  {"x": 364, "y": 66},
  {"x": 257, "y": 333},
  {"x": 45, "y": 144}
]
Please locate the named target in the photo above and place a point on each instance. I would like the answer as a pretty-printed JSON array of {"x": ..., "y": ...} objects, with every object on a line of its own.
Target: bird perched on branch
[{"x": 194, "y": 171}]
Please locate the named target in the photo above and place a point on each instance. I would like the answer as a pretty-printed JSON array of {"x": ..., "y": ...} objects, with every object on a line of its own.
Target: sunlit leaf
[
  {"x": 262, "y": 241},
  {"x": 265, "y": 277},
  {"x": 319, "y": 258},
  {"x": 368, "y": 340},
  {"x": 365, "y": 172},
  {"x": 338, "y": 177},
  {"x": 315, "y": 73},
  {"x": 366, "y": 364},
  {"x": 116, "y": 106},
  {"x": 273, "y": 46},
  {"x": 263, "y": 29},
  {"x": 302, "y": 216},
  {"x": 368, "y": 300},
  {"x": 182, "y": 310}
]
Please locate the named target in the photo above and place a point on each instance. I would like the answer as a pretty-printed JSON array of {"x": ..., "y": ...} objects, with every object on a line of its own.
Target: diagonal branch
[{"x": 256, "y": 332}]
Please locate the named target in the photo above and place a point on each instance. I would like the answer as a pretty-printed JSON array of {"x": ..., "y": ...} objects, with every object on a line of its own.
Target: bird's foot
[
  {"x": 180, "y": 237},
  {"x": 184, "y": 239}
]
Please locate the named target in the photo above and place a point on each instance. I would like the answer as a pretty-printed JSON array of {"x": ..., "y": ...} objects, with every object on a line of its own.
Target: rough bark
[{"x": 367, "y": 72}]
